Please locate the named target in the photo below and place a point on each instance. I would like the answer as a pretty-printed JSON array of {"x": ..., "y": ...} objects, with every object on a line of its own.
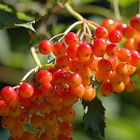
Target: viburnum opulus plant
[{"x": 80, "y": 60}]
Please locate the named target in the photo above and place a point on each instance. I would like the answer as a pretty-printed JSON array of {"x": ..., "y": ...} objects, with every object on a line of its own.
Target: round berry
[
  {"x": 99, "y": 47},
  {"x": 101, "y": 32},
  {"x": 129, "y": 31},
  {"x": 104, "y": 65},
  {"x": 71, "y": 39},
  {"x": 45, "y": 47},
  {"x": 112, "y": 50},
  {"x": 106, "y": 88},
  {"x": 124, "y": 55},
  {"x": 59, "y": 49},
  {"x": 26, "y": 90},
  {"x": 115, "y": 36},
  {"x": 74, "y": 80},
  {"x": 84, "y": 50},
  {"x": 135, "y": 23},
  {"x": 8, "y": 93},
  {"x": 109, "y": 24},
  {"x": 89, "y": 94},
  {"x": 43, "y": 76}
]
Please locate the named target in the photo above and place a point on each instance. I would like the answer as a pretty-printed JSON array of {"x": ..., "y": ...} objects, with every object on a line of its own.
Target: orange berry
[{"x": 89, "y": 94}]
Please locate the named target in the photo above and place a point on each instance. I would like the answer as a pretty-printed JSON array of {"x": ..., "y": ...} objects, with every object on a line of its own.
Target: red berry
[
  {"x": 65, "y": 128},
  {"x": 2, "y": 104},
  {"x": 121, "y": 26},
  {"x": 71, "y": 39},
  {"x": 59, "y": 49},
  {"x": 122, "y": 69},
  {"x": 45, "y": 47},
  {"x": 104, "y": 65},
  {"x": 45, "y": 89},
  {"x": 135, "y": 23},
  {"x": 128, "y": 31},
  {"x": 101, "y": 32},
  {"x": 124, "y": 55},
  {"x": 89, "y": 94},
  {"x": 74, "y": 80},
  {"x": 26, "y": 90},
  {"x": 129, "y": 44},
  {"x": 135, "y": 58},
  {"x": 99, "y": 47},
  {"x": 71, "y": 51},
  {"x": 43, "y": 76},
  {"x": 115, "y": 36},
  {"x": 8, "y": 94},
  {"x": 109, "y": 24},
  {"x": 63, "y": 61},
  {"x": 67, "y": 114},
  {"x": 84, "y": 50},
  {"x": 78, "y": 91},
  {"x": 112, "y": 50},
  {"x": 64, "y": 137},
  {"x": 106, "y": 88}
]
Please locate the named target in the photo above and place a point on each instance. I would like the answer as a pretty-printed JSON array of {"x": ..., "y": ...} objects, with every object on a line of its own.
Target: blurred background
[{"x": 122, "y": 112}]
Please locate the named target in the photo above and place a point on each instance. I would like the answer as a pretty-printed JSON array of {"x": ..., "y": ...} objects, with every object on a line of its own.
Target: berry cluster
[{"x": 45, "y": 103}]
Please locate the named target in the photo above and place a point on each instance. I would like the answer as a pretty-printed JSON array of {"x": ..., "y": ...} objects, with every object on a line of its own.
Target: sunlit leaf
[
  {"x": 28, "y": 25},
  {"x": 125, "y": 3}
]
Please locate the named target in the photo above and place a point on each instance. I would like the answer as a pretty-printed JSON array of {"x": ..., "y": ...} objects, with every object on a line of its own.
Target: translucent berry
[
  {"x": 45, "y": 47},
  {"x": 26, "y": 90},
  {"x": 101, "y": 32},
  {"x": 112, "y": 50},
  {"x": 74, "y": 80},
  {"x": 99, "y": 47},
  {"x": 104, "y": 65},
  {"x": 59, "y": 49},
  {"x": 8, "y": 93},
  {"x": 71, "y": 39},
  {"x": 106, "y": 89},
  {"x": 135, "y": 23},
  {"x": 115, "y": 36},
  {"x": 43, "y": 76},
  {"x": 89, "y": 94}
]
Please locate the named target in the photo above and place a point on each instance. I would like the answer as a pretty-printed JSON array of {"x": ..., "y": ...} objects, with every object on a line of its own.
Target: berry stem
[
  {"x": 26, "y": 76},
  {"x": 28, "y": 73},
  {"x": 61, "y": 34},
  {"x": 91, "y": 25},
  {"x": 70, "y": 28},
  {"x": 73, "y": 12},
  {"x": 116, "y": 10},
  {"x": 89, "y": 34},
  {"x": 84, "y": 29},
  {"x": 35, "y": 57}
]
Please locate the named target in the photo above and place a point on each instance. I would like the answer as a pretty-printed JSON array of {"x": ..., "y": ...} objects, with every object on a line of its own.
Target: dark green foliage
[{"x": 94, "y": 118}]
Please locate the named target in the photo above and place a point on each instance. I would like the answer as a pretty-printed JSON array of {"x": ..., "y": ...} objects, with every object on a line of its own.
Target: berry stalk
[{"x": 35, "y": 57}]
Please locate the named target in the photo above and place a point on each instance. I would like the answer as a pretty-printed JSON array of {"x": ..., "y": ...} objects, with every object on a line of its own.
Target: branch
[{"x": 73, "y": 12}]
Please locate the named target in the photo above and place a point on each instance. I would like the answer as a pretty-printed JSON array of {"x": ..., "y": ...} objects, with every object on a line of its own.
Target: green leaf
[
  {"x": 7, "y": 20},
  {"x": 124, "y": 3},
  {"x": 82, "y": 2},
  {"x": 11, "y": 18},
  {"x": 28, "y": 25},
  {"x": 94, "y": 119}
]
